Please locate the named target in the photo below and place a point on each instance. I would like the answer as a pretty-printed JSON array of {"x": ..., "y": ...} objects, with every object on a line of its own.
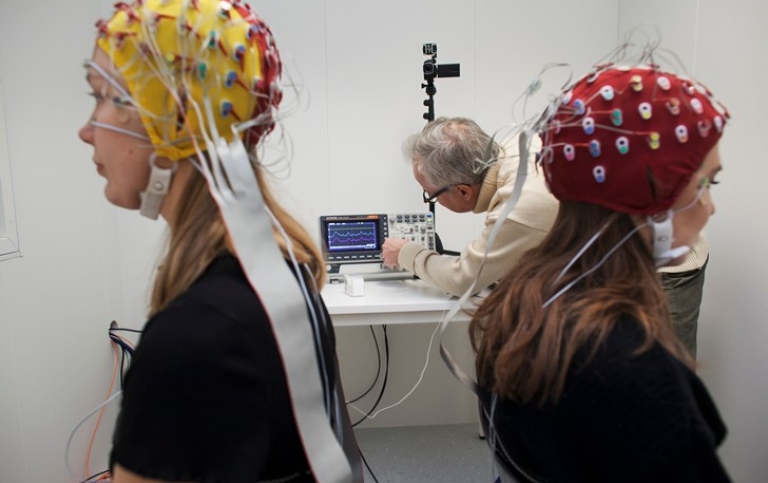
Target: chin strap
[
  {"x": 663, "y": 252},
  {"x": 159, "y": 183}
]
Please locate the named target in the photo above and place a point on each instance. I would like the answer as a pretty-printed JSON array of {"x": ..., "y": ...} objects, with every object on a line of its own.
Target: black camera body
[{"x": 431, "y": 69}]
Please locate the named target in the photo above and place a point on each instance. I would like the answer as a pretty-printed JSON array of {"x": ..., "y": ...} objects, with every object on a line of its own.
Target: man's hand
[{"x": 390, "y": 251}]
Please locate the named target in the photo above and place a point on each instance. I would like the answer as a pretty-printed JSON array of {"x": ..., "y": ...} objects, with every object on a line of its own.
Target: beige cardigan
[{"x": 524, "y": 228}]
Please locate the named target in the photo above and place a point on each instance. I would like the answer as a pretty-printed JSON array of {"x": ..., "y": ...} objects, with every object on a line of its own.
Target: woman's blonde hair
[{"x": 197, "y": 235}]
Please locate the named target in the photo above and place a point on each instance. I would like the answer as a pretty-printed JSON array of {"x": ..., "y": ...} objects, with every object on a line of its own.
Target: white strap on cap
[
  {"x": 663, "y": 252},
  {"x": 234, "y": 187},
  {"x": 159, "y": 183}
]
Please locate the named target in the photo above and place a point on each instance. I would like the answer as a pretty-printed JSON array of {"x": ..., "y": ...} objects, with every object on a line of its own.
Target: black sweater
[
  {"x": 622, "y": 418},
  {"x": 206, "y": 397}
]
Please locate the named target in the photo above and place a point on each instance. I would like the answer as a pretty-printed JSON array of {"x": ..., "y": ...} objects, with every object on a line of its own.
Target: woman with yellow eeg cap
[{"x": 207, "y": 398}]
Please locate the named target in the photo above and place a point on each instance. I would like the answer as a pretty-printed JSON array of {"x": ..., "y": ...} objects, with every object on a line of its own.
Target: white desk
[
  {"x": 404, "y": 302},
  {"x": 389, "y": 302}
]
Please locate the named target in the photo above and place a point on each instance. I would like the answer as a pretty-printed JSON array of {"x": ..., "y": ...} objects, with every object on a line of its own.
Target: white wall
[{"x": 86, "y": 263}]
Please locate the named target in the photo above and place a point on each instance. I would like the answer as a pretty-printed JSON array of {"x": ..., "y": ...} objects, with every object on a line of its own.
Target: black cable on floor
[
  {"x": 384, "y": 384},
  {"x": 367, "y": 466},
  {"x": 378, "y": 368}
]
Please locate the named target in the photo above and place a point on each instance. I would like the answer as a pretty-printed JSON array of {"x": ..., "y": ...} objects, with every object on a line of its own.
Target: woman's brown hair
[
  {"x": 525, "y": 351},
  {"x": 197, "y": 235}
]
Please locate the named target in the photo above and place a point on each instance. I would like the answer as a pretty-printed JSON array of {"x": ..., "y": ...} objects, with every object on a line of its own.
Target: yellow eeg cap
[{"x": 173, "y": 54}]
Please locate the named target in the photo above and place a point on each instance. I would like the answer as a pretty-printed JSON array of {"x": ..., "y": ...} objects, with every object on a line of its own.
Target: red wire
[{"x": 101, "y": 413}]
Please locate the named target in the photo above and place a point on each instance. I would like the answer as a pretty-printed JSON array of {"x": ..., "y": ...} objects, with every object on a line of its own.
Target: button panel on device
[{"x": 415, "y": 227}]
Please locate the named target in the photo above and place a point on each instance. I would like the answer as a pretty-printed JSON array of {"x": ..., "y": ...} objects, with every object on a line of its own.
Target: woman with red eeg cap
[{"x": 582, "y": 376}]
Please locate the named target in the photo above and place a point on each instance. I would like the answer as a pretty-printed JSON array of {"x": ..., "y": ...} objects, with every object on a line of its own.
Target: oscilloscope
[{"x": 359, "y": 238}]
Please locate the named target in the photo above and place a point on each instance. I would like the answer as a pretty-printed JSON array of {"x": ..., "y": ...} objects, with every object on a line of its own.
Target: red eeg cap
[{"x": 629, "y": 139}]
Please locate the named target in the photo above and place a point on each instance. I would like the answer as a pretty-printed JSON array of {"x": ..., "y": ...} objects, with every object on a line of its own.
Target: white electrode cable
[
  {"x": 110, "y": 127},
  {"x": 77, "y": 427},
  {"x": 511, "y": 203},
  {"x": 124, "y": 95},
  {"x": 662, "y": 237},
  {"x": 415, "y": 386},
  {"x": 314, "y": 317}
]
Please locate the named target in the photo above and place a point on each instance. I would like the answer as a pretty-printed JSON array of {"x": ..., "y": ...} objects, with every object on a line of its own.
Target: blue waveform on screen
[{"x": 356, "y": 237}]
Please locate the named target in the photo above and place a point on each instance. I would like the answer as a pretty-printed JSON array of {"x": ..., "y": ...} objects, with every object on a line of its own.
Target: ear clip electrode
[
  {"x": 663, "y": 252},
  {"x": 157, "y": 187}
]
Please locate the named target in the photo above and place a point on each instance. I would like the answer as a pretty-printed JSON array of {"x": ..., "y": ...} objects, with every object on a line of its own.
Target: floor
[{"x": 451, "y": 453}]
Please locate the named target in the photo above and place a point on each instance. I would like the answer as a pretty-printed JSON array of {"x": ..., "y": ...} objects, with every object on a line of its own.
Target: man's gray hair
[{"x": 452, "y": 150}]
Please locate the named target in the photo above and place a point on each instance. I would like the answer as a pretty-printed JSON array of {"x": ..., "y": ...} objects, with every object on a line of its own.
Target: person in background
[
  {"x": 185, "y": 92},
  {"x": 461, "y": 167},
  {"x": 581, "y": 377}
]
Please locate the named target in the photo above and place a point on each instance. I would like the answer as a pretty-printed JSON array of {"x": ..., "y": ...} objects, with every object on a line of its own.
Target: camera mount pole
[
  {"x": 431, "y": 70},
  {"x": 430, "y": 101}
]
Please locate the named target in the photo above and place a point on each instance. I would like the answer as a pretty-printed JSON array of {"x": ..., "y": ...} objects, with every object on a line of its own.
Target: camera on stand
[{"x": 431, "y": 70}]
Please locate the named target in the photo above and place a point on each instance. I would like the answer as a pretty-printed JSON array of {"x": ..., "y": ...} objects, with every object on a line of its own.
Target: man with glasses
[
  {"x": 448, "y": 163},
  {"x": 459, "y": 166}
]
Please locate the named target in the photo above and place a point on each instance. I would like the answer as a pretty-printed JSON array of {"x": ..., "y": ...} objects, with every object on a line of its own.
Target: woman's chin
[{"x": 122, "y": 200}]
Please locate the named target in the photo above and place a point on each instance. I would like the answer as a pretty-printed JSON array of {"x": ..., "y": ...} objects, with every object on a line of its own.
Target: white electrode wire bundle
[
  {"x": 236, "y": 191},
  {"x": 233, "y": 185},
  {"x": 525, "y": 130},
  {"x": 522, "y": 173}
]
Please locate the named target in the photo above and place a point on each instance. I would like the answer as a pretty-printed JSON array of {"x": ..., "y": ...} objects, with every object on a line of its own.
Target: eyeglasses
[{"x": 431, "y": 199}]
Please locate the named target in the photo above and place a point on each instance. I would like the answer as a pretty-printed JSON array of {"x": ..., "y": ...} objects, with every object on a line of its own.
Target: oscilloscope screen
[{"x": 352, "y": 236}]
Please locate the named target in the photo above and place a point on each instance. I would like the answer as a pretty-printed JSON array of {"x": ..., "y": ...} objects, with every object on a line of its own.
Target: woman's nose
[{"x": 86, "y": 133}]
